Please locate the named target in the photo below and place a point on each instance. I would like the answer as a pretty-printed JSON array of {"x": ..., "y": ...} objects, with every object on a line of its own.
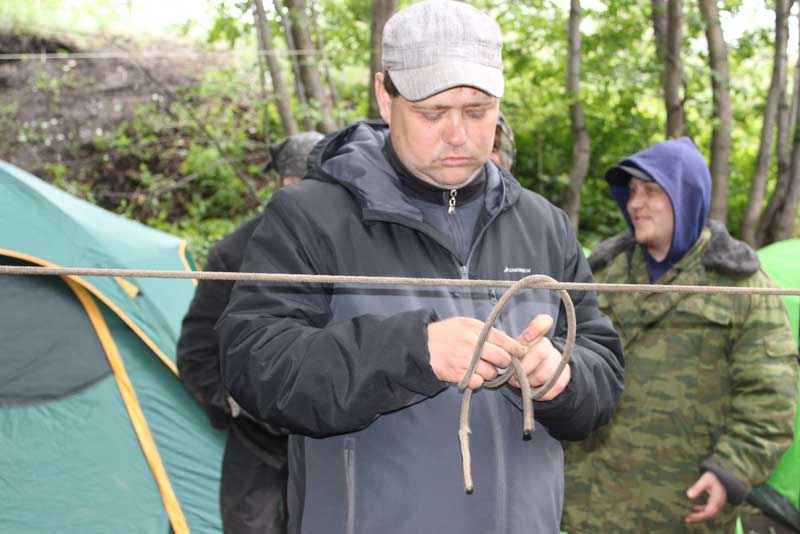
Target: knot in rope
[{"x": 528, "y": 394}]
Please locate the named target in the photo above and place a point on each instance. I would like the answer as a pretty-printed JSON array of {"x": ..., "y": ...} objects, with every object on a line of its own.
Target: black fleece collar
[{"x": 427, "y": 192}]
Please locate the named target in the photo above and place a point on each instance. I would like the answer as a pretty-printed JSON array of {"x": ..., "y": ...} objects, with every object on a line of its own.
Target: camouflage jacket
[{"x": 709, "y": 385}]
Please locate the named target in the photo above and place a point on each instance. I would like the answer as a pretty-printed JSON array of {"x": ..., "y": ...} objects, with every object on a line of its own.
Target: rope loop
[{"x": 528, "y": 395}]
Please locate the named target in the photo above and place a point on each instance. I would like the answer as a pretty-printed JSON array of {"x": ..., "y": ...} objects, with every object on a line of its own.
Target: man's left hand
[
  {"x": 542, "y": 359},
  {"x": 717, "y": 497}
]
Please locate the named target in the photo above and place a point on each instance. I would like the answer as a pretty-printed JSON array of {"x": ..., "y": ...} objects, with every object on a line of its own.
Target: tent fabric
[
  {"x": 781, "y": 261},
  {"x": 780, "y": 496},
  {"x": 64, "y": 473},
  {"x": 52, "y": 363},
  {"x": 120, "y": 446},
  {"x": 134, "y": 410},
  {"x": 41, "y": 222}
]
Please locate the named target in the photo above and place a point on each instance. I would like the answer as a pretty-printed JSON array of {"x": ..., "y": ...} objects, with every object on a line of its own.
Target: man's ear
[{"x": 383, "y": 98}]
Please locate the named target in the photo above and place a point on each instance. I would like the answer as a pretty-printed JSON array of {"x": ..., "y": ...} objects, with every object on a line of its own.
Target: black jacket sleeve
[
  {"x": 286, "y": 364},
  {"x": 198, "y": 345},
  {"x": 597, "y": 361}
]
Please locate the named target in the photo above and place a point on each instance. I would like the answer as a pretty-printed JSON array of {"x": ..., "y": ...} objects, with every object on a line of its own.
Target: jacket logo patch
[{"x": 523, "y": 270}]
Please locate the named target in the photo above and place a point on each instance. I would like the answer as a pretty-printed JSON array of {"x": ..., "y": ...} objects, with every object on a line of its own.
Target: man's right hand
[{"x": 452, "y": 341}]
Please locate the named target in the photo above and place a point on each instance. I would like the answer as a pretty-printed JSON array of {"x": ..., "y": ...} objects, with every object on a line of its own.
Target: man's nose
[
  {"x": 635, "y": 201},
  {"x": 455, "y": 133}
]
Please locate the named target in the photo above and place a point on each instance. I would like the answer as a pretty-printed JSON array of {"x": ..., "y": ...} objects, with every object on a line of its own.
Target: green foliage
[
  {"x": 184, "y": 159},
  {"x": 49, "y": 82},
  {"x": 78, "y": 15},
  {"x": 229, "y": 24},
  {"x": 183, "y": 162}
]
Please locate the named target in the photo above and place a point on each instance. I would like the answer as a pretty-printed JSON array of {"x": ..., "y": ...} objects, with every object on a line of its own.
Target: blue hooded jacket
[{"x": 679, "y": 168}]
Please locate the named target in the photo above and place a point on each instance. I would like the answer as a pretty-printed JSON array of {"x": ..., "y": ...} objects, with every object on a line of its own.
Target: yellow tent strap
[
  {"x": 171, "y": 504},
  {"x": 130, "y": 289},
  {"x": 182, "y": 251}
]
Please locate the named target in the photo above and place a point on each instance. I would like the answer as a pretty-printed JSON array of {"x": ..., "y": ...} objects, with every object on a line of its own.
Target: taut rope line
[
  {"x": 532, "y": 281},
  {"x": 388, "y": 280}
]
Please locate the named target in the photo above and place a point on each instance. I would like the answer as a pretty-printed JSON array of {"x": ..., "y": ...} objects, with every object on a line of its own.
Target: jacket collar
[
  {"x": 723, "y": 253},
  {"x": 354, "y": 158}
]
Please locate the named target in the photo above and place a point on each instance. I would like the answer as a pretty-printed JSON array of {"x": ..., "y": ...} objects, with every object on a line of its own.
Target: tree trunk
[
  {"x": 581, "y": 144},
  {"x": 381, "y": 11},
  {"x": 262, "y": 78},
  {"x": 758, "y": 184},
  {"x": 278, "y": 87},
  {"x": 325, "y": 64},
  {"x": 723, "y": 114},
  {"x": 294, "y": 59},
  {"x": 787, "y": 214},
  {"x": 312, "y": 81},
  {"x": 787, "y": 115},
  {"x": 672, "y": 73},
  {"x": 658, "y": 14}
]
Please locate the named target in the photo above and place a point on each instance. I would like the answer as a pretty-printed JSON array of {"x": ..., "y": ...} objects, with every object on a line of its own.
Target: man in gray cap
[
  {"x": 253, "y": 486},
  {"x": 363, "y": 377}
]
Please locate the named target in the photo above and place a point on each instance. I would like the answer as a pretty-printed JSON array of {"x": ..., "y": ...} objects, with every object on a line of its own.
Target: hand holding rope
[{"x": 528, "y": 395}]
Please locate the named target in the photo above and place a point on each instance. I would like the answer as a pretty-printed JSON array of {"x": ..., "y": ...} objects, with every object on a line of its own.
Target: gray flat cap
[{"x": 436, "y": 45}]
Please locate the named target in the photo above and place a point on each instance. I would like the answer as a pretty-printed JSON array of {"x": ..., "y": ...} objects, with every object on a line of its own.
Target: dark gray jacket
[{"x": 345, "y": 369}]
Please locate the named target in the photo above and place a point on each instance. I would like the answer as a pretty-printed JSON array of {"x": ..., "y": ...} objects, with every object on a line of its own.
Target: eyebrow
[{"x": 441, "y": 107}]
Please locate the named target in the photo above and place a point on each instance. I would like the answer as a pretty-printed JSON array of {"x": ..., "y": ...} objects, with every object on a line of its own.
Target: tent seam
[{"x": 137, "y": 418}]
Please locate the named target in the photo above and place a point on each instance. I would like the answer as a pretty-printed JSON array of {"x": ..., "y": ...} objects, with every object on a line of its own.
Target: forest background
[{"x": 165, "y": 113}]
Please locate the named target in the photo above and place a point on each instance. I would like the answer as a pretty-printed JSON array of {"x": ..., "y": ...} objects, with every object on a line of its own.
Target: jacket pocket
[
  {"x": 350, "y": 483},
  {"x": 707, "y": 310},
  {"x": 701, "y": 341},
  {"x": 780, "y": 346}
]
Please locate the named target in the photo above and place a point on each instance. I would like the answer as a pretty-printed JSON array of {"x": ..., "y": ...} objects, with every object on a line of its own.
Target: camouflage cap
[
  {"x": 504, "y": 143},
  {"x": 290, "y": 156}
]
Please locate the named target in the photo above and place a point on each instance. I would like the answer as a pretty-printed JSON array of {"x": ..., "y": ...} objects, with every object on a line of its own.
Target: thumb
[{"x": 537, "y": 329}]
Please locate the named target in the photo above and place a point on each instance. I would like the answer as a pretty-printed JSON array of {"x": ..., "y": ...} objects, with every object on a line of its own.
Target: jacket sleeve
[
  {"x": 763, "y": 381},
  {"x": 198, "y": 344},
  {"x": 284, "y": 360},
  {"x": 597, "y": 361}
]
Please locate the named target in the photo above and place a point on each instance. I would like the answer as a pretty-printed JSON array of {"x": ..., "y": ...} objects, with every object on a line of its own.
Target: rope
[
  {"x": 111, "y": 54},
  {"x": 390, "y": 280},
  {"x": 528, "y": 396},
  {"x": 532, "y": 281}
]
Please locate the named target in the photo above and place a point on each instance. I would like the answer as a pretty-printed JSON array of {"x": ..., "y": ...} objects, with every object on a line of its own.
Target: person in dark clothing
[
  {"x": 363, "y": 377},
  {"x": 253, "y": 486}
]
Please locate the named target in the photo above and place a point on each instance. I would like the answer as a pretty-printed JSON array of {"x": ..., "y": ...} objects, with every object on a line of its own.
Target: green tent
[
  {"x": 780, "y": 496},
  {"x": 97, "y": 433}
]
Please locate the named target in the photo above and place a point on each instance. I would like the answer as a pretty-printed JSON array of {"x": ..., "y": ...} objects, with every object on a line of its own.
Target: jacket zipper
[
  {"x": 350, "y": 483},
  {"x": 451, "y": 208}
]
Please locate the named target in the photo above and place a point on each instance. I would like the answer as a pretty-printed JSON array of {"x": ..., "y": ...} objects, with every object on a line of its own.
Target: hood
[
  {"x": 353, "y": 158},
  {"x": 681, "y": 171}
]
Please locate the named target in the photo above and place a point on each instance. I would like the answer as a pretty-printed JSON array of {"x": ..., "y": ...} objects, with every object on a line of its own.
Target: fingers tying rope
[{"x": 528, "y": 395}]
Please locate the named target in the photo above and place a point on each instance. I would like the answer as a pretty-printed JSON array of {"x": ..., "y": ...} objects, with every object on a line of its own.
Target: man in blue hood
[
  {"x": 710, "y": 389},
  {"x": 362, "y": 378},
  {"x": 664, "y": 193}
]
